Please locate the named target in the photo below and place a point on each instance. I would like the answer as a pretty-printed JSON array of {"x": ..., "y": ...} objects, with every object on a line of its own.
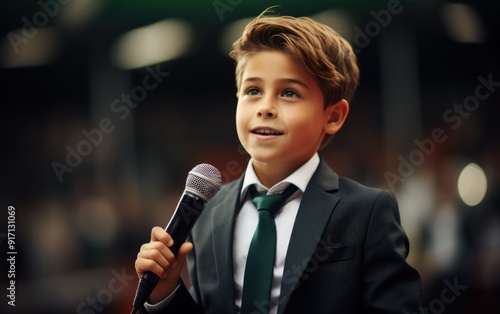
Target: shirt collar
[{"x": 299, "y": 178}]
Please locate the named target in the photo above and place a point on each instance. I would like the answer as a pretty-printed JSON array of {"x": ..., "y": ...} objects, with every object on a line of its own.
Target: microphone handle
[{"x": 187, "y": 212}]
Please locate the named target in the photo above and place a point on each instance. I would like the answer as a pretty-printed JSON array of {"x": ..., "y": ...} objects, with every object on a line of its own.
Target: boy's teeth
[{"x": 266, "y": 132}]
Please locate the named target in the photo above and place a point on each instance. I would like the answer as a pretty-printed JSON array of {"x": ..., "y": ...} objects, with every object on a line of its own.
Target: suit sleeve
[
  {"x": 179, "y": 302},
  {"x": 182, "y": 303},
  {"x": 391, "y": 285}
]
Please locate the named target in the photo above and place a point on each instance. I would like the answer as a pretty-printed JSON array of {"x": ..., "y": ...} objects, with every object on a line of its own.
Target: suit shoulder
[
  {"x": 225, "y": 190},
  {"x": 354, "y": 189}
]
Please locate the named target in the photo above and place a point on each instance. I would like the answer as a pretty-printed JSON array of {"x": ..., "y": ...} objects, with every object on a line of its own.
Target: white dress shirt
[
  {"x": 245, "y": 225},
  {"x": 247, "y": 219}
]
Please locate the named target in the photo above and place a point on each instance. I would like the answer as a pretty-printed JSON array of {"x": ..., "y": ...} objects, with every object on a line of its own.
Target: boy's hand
[{"x": 157, "y": 257}]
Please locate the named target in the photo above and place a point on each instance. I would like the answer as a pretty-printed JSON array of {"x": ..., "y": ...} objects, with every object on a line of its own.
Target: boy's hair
[{"x": 321, "y": 50}]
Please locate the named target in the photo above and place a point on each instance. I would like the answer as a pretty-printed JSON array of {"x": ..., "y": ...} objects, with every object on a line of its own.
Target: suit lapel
[
  {"x": 223, "y": 227},
  {"x": 314, "y": 212}
]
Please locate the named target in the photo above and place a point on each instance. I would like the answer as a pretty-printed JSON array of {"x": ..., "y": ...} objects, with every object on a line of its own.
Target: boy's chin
[{"x": 279, "y": 161}]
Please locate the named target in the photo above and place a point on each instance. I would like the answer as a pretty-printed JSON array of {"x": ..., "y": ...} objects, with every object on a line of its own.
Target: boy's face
[{"x": 280, "y": 116}]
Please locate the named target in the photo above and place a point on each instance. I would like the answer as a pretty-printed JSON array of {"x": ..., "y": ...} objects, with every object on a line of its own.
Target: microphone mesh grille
[{"x": 204, "y": 180}]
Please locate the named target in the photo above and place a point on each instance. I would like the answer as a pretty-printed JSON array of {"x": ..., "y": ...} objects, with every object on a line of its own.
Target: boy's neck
[{"x": 271, "y": 173}]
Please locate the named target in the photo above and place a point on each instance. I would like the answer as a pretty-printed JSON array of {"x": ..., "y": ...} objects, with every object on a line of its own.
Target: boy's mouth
[{"x": 266, "y": 131}]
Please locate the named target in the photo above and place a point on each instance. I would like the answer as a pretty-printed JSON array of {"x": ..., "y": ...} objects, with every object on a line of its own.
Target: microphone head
[{"x": 204, "y": 180}]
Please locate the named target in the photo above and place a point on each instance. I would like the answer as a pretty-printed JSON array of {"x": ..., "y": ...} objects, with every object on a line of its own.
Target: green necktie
[{"x": 260, "y": 261}]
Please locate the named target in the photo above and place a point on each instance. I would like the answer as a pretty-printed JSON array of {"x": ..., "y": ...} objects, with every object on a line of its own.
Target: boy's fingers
[
  {"x": 159, "y": 246},
  {"x": 159, "y": 253},
  {"x": 156, "y": 256},
  {"x": 159, "y": 234},
  {"x": 143, "y": 265}
]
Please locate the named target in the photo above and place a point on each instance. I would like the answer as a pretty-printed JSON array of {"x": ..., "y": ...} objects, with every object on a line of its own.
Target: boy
[{"x": 340, "y": 247}]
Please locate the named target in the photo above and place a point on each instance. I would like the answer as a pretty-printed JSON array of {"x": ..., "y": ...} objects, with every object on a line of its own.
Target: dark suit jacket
[{"x": 346, "y": 255}]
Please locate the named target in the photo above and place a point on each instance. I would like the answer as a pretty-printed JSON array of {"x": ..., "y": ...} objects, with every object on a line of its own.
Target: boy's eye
[
  {"x": 253, "y": 92},
  {"x": 290, "y": 93}
]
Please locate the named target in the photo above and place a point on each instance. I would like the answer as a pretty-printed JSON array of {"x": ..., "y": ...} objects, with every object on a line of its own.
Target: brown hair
[{"x": 321, "y": 50}]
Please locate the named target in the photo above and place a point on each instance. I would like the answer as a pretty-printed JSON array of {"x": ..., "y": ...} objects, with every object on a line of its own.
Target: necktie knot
[{"x": 271, "y": 202}]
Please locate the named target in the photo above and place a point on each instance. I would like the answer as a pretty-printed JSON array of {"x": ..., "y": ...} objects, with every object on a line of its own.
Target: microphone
[{"x": 202, "y": 183}]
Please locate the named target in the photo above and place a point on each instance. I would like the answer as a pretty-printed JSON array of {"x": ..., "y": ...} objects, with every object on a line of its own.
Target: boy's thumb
[
  {"x": 183, "y": 252},
  {"x": 175, "y": 272}
]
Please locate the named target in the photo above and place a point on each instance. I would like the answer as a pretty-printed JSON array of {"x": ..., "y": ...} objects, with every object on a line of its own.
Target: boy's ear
[{"x": 336, "y": 115}]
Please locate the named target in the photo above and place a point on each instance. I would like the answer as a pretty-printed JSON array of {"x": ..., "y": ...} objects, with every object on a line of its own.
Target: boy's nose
[
  {"x": 265, "y": 112},
  {"x": 266, "y": 109}
]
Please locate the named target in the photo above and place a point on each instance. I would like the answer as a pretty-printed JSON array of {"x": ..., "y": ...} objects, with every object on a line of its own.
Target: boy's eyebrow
[{"x": 283, "y": 80}]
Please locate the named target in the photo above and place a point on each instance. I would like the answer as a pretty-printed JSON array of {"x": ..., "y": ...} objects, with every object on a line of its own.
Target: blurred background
[{"x": 108, "y": 104}]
